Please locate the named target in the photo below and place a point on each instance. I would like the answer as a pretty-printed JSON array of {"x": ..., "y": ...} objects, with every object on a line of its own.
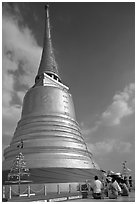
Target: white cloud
[
  {"x": 20, "y": 94},
  {"x": 122, "y": 106},
  {"x": 102, "y": 147},
  {"x": 102, "y": 139},
  {"x": 21, "y": 55},
  {"x": 19, "y": 46},
  {"x": 10, "y": 117},
  {"x": 124, "y": 147},
  {"x": 88, "y": 130},
  {"x": 108, "y": 146}
]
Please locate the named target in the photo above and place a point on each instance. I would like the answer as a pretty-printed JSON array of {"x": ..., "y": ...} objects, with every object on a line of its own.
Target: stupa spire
[{"x": 48, "y": 63}]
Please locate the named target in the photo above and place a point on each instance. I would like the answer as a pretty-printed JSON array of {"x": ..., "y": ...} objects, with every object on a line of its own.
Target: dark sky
[{"x": 94, "y": 45}]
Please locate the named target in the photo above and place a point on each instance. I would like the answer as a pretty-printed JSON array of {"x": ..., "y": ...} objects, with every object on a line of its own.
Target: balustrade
[{"x": 10, "y": 192}]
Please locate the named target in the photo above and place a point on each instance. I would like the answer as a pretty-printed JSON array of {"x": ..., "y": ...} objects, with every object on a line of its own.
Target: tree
[{"x": 19, "y": 172}]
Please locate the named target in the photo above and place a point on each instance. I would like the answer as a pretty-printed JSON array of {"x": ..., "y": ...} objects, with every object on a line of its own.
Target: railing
[{"x": 10, "y": 192}]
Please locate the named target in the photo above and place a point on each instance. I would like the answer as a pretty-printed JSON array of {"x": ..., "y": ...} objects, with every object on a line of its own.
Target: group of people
[{"x": 111, "y": 187}]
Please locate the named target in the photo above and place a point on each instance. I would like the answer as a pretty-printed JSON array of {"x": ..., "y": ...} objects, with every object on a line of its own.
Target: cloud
[
  {"x": 123, "y": 105},
  {"x": 102, "y": 147},
  {"x": 88, "y": 130},
  {"x": 10, "y": 118},
  {"x": 106, "y": 138},
  {"x": 20, "y": 51},
  {"x": 20, "y": 61},
  {"x": 108, "y": 146},
  {"x": 123, "y": 147}
]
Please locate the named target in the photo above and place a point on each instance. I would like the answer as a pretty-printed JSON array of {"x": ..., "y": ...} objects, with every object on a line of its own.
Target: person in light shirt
[
  {"x": 114, "y": 189},
  {"x": 117, "y": 186},
  {"x": 97, "y": 188}
]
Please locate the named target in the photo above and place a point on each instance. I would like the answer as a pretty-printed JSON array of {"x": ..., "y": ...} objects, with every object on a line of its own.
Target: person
[
  {"x": 106, "y": 188},
  {"x": 125, "y": 191},
  {"x": 84, "y": 190},
  {"x": 97, "y": 188},
  {"x": 126, "y": 182},
  {"x": 113, "y": 189},
  {"x": 130, "y": 181}
]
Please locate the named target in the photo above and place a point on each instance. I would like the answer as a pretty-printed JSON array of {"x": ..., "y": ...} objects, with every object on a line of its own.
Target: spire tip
[{"x": 46, "y": 6}]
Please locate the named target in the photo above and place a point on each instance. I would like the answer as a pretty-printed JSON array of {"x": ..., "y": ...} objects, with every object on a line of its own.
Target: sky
[{"x": 94, "y": 46}]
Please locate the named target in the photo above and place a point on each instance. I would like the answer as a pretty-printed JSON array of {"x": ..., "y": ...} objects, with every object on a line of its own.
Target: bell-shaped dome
[{"x": 52, "y": 140}]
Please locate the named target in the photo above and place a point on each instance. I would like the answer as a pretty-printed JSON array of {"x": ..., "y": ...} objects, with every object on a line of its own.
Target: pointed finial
[
  {"x": 47, "y": 10},
  {"x": 48, "y": 63},
  {"x": 48, "y": 23},
  {"x": 46, "y": 6}
]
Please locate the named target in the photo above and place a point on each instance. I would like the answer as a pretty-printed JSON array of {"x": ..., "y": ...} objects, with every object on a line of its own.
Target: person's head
[
  {"x": 125, "y": 177},
  {"x": 113, "y": 179},
  {"x": 96, "y": 177},
  {"x": 122, "y": 181},
  {"x": 108, "y": 179},
  {"x": 86, "y": 181}
]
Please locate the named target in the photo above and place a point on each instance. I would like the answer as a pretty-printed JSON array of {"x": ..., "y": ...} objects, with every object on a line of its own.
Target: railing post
[
  {"x": 88, "y": 187},
  {"x": 80, "y": 187},
  {"x": 10, "y": 193},
  {"x": 69, "y": 188},
  {"x": 45, "y": 190},
  {"x": 3, "y": 193},
  {"x": 28, "y": 190},
  {"x": 58, "y": 189}
]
